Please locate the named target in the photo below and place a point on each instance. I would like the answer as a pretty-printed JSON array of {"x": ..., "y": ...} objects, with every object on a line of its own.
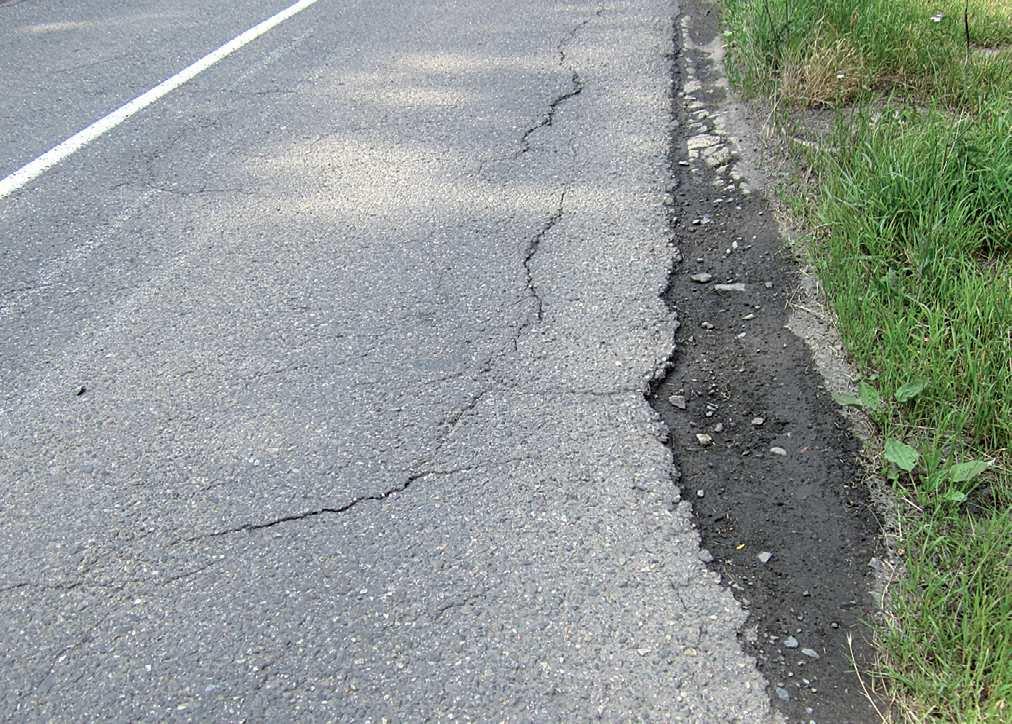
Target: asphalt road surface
[{"x": 322, "y": 382}]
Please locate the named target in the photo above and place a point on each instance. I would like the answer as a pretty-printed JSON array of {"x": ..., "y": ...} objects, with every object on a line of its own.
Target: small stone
[
  {"x": 677, "y": 401},
  {"x": 790, "y": 643},
  {"x": 768, "y": 285},
  {"x": 736, "y": 287},
  {"x": 683, "y": 163},
  {"x": 706, "y": 325},
  {"x": 643, "y": 652},
  {"x": 704, "y": 439},
  {"x": 701, "y": 277},
  {"x": 748, "y": 318},
  {"x": 778, "y": 451},
  {"x": 782, "y": 694},
  {"x": 764, "y": 556},
  {"x": 719, "y": 427},
  {"x": 690, "y": 651},
  {"x": 758, "y": 421},
  {"x": 810, "y": 653},
  {"x": 705, "y": 556},
  {"x": 700, "y": 493}
]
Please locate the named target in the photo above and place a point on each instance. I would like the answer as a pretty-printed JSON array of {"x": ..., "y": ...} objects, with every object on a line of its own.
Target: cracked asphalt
[{"x": 322, "y": 393}]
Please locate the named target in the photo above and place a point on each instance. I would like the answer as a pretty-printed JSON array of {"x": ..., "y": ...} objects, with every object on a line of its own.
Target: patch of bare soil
[{"x": 768, "y": 460}]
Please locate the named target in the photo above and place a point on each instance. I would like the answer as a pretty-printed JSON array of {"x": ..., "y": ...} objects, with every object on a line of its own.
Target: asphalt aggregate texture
[{"x": 323, "y": 378}]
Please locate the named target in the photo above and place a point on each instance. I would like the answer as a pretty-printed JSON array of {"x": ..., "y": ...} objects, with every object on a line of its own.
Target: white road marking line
[{"x": 30, "y": 171}]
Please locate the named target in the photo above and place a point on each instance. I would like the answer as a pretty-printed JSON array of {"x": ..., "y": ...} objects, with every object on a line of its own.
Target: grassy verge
[
  {"x": 915, "y": 253},
  {"x": 912, "y": 239},
  {"x": 827, "y": 52}
]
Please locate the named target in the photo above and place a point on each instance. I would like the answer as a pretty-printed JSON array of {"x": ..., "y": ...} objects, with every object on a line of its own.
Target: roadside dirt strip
[{"x": 763, "y": 452}]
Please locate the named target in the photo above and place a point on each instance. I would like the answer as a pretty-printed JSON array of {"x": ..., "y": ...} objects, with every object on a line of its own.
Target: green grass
[
  {"x": 915, "y": 255},
  {"x": 919, "y": 260},
  {"x": 823, "y": 52},
  {"x": 990, "y": 20},
  {"x": 912, "y": 240}
]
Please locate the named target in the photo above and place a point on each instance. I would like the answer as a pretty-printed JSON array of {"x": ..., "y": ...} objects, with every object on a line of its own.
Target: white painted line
[{"x": 79, "y": 140}]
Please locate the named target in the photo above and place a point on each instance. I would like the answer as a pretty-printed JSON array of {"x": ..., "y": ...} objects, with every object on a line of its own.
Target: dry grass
[{"x": 829, "y": 73}]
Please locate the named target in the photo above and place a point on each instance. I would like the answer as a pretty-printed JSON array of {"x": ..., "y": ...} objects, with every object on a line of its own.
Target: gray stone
[
  {"x": 701, "y": 277},
  {"x": 704, "y": 439},
  {"x": 764, "y": 557},
  {"x": 736, "y": 287},
  {"x": 790, "y": 643},
  {"x": 782, "y": 694},
  {"x": 778, "y": 451},
  {"x": 810, "y": 653},
  {"x": 677, "y": 401}
]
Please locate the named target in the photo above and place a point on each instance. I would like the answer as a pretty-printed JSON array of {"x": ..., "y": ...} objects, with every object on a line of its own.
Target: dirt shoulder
[{"x": 768, "y": 461}]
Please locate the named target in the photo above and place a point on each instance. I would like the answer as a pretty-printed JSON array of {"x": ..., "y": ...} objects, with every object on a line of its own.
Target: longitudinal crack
[
  {"x": 568, "y": 38},
  {"x": 576, "y": 88},
  {"x": 532, "y": 248}
]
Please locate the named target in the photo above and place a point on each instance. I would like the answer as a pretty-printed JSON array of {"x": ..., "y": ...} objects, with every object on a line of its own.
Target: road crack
[
  {"x": 533, "y": 244},
  {"x": 546, "y": 121},
  {"x": 111, "y": 584},
  {"x": 381, "y": 496}
]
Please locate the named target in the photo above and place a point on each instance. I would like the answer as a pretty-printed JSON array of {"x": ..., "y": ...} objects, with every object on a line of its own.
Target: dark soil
[{"x": 810, "y": 509}]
